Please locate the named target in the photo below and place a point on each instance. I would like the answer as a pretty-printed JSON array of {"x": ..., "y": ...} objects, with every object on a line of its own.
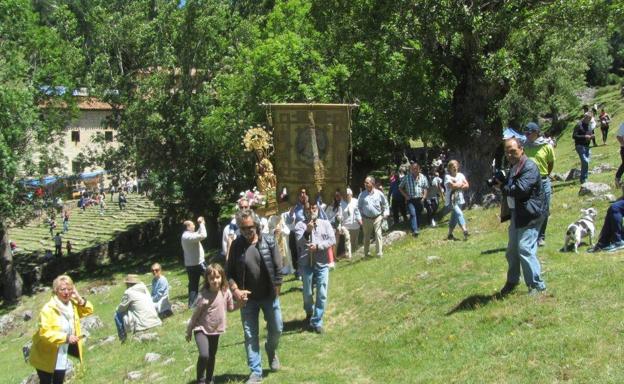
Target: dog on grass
[{"x": 583, "y": 227}]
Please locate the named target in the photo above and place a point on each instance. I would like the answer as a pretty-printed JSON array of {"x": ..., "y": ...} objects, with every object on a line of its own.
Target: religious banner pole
[{"x": 319, "y": 169}]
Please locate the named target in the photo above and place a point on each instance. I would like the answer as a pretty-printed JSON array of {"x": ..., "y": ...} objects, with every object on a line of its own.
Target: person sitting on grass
[
  {"x": 136, "y": 311},
  {"x": 611, "y": 234},
  {"x": 160, "y": 291}
]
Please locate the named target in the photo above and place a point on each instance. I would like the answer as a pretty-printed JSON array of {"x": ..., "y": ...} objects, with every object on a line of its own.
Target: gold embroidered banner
[{"x": 295, "y": 153}]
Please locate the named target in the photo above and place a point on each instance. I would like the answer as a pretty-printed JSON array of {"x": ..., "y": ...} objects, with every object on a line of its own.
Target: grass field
[
  {"x": 86, "y": 227},
  {"x": 425, "y": 313}
]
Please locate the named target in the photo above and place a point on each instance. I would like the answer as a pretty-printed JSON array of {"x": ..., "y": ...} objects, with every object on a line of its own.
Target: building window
[
  {"x": 76, "y": 168},
  {"x": 108, "y": 136},
  {"x": 75, "y": 136}
]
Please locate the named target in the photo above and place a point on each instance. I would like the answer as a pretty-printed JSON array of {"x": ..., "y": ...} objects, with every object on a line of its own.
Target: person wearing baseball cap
[{"x": 539, "y": 149}]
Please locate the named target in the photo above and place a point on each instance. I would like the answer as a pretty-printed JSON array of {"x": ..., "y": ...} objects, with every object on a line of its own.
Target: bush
[{"x": 613, "y": 79}]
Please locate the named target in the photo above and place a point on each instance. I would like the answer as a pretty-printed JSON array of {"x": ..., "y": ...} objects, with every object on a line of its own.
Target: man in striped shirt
[{"x": 414, "y": 188}]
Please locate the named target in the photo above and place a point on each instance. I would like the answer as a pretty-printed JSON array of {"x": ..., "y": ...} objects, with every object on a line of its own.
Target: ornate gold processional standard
[{"x": 312, "y": 147}]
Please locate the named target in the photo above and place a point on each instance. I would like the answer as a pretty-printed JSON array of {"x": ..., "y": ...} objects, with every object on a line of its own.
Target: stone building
[{"x": 81, "y": 135}]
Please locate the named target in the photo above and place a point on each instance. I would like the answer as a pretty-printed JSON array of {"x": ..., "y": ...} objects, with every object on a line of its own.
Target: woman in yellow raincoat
[{"x": 59, "y": 332}]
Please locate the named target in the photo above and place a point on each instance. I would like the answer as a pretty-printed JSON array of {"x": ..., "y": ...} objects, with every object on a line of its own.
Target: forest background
[{"x": 187, "y": 79}]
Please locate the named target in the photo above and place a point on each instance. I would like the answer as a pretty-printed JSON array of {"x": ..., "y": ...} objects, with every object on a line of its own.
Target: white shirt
[
  {"x": 230, "y": 230},
  {"x": 459, "y": 194},
  {"x": 350, "y": 214},
  {"x": 192, "y": 247}
]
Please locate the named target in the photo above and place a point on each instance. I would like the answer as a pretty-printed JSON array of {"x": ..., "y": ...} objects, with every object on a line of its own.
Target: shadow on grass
[
  {"x": 491, "y": 251},
  {"x": 563, "y": 184},
  {"x": 226, "y": 378},
  {"x": 474, "y": 302},
  {"x": 294, "y": 326},
  {"x": 6, "y": 307}
]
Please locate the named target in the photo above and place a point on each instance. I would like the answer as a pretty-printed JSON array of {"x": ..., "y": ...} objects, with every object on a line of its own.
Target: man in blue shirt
[{"x": 373, "y": 208}]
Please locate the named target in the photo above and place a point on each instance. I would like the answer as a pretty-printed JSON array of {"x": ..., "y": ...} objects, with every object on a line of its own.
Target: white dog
[{"x": 581, "y": 228}]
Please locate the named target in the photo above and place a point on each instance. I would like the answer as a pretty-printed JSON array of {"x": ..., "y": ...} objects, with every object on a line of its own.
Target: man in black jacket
[
  {"x": 523, "y": 195},
  {"x": 254, "y": 271},
  {"x": 582, "y": 135}
]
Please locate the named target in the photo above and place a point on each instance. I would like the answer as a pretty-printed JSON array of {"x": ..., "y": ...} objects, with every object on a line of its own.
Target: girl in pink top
[{"x": 209, "y": 320}]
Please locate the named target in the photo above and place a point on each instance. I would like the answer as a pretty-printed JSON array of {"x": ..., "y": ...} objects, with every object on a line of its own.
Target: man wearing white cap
[{"x": 351, "y": 221}]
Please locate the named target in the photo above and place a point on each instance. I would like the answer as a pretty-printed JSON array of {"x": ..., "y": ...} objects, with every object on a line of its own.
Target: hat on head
[
  {"x": 132, "y": 279},
  {"x": 531, "y": 127}
]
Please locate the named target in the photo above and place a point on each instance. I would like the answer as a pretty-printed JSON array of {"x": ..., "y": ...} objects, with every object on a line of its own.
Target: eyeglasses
[{"x": 248, "y": 228}]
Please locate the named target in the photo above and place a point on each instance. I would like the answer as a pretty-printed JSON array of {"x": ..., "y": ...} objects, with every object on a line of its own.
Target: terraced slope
[{"x": 86, "y": 227}]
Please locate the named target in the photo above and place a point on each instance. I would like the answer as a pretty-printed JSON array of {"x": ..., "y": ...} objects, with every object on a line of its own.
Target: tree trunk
[
  {"x": 11, "y": 280},
  {"x": 476, "y": 130}
]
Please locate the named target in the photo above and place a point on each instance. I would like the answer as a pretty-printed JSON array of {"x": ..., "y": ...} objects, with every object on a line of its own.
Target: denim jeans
[
  {"x": 119, "y": 323},
  {"x": 457, "y": 217},
  {"x": 585, "y": 155},
  {"x": 612, "y": 228},
  {"x": 522, "y": 253},
  {"x": 249, "y": 316},
  {"x": 414, "y": 206},
  {"x": 315, "y": 276},
  {"x": 547, "y": 188}
]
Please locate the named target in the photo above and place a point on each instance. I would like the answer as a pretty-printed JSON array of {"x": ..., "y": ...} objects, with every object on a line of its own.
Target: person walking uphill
[
  {"x": 193, "y": 256},
  {"x": 254, "y": 270},
  {"x": 373, "y": 208},
  {"x": 59, "y": 335},
  {"x": 582, "y": 135},
  {"x": 523, "y": 202},
  {"x": 315, "y": 236},
  {"x": 414, "y": 188},
  {"x": 538, "y": 149}
]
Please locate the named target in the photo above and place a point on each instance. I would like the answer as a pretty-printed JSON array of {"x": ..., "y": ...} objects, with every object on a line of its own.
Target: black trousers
[
  {"x": 194, "y": 274},
  {"x": 207, "y": 346},
  {"x": 51, "y": 378},
  {"x": 292, "y": 244}
]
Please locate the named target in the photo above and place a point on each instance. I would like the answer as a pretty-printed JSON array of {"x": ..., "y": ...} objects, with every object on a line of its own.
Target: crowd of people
[{"x": 304, "y": 240}]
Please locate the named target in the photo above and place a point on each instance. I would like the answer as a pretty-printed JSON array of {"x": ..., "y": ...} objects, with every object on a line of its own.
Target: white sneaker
[
  {"x": 433, "y": 223},
  {"x": 332, "y": 265}
]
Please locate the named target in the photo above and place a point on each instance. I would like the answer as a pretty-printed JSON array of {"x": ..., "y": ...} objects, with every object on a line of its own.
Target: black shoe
[
  {"x": 508, "y": 288},
  {"x": 415, "y": 234},
  {"x": 466, "y": 235},
  {"x": 451, "y": 237}
]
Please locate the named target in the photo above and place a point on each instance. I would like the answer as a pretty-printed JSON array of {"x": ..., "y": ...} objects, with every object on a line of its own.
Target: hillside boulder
[
  {"x": 90, "y": 323},
  {"x": 594, "y": 189},
  {"x": 574, "y": 174}
]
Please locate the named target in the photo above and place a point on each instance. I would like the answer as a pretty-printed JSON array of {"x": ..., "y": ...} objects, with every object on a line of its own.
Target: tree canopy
[{"x": 187, "y": 80}]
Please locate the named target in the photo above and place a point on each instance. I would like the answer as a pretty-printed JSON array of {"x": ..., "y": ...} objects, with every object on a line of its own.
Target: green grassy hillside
[
  {"x": 86, "y": 227},
  {"x": 425, "y": 313}
]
